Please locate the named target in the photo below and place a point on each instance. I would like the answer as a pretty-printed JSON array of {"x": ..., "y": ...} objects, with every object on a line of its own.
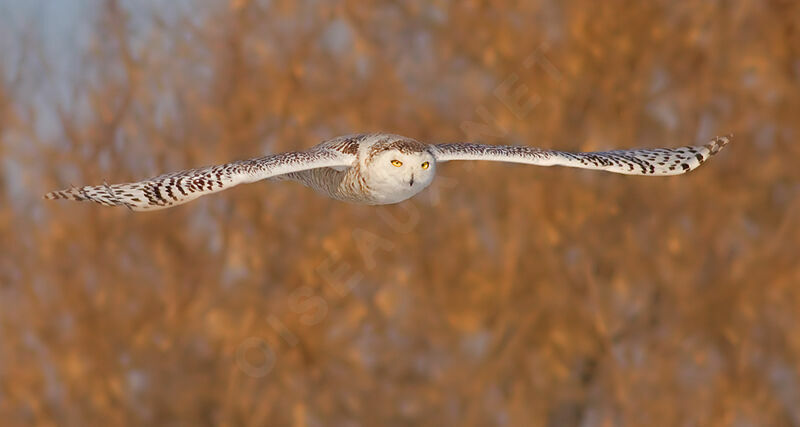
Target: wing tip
[
  {"x": 104, "y": 195},
  {"x": 67, "y": 194},
  {"x": 714, "y": 146},
  {"x": 718, "y": 143}
]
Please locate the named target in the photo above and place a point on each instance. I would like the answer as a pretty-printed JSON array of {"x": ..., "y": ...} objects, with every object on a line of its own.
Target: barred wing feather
[
  {"x": 180, "y": 187},
  {"x": 652, "y": 162}
]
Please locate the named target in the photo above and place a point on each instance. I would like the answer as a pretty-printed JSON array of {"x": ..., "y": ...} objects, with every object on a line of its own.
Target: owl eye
[
  {"x": 397, "y": 163},
  {"x": 426, "y": 165}
]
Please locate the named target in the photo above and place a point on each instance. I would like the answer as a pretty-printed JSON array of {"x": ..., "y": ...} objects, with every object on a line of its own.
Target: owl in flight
[{"x": 376, "y": 169}]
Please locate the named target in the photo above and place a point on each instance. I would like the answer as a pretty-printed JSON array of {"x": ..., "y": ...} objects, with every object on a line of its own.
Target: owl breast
[
  {"x": 352, "y": 186},
  {"x": 346, "y": 185}
]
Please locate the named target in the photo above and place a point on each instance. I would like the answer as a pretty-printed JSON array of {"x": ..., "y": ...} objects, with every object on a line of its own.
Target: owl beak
[{"x": 411, "y": 183}]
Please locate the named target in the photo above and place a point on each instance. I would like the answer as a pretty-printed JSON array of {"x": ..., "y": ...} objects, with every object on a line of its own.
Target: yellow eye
[
  {"x": 397, "y": 163},
  {"x": 426, "y": 165}
]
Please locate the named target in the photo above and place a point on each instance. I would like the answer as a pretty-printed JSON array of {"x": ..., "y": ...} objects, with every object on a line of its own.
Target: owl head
[{"x": 398, "y": 167}]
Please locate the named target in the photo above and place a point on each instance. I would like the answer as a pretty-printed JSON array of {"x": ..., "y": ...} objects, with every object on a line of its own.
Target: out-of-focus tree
[{"x": 503, "y": 295}]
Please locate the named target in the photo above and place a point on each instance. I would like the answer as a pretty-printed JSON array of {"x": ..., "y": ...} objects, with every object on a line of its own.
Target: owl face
[{"x": 399, "y": 174}]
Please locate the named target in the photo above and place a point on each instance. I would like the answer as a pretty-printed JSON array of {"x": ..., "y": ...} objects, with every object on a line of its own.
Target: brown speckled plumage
[{"x": 401, "y": 144}]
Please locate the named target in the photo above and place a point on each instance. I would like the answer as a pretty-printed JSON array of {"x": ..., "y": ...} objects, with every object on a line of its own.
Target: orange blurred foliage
[{"x": 502, "y": 295}]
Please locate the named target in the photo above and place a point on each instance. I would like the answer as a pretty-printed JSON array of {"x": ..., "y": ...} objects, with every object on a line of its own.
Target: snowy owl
[{"x": 376, "y": 169}]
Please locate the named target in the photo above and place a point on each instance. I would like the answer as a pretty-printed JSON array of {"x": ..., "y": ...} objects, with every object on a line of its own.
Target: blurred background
[{"x": 502, "y": 295}]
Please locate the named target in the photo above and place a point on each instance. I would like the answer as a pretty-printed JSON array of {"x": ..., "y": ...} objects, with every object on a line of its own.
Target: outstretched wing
[
  {"x": 180, "y": 187},
  {"x": 655, "y": 162}
]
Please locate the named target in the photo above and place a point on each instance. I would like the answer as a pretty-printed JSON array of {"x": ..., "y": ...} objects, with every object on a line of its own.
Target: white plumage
[{"x": 376, "y": 169}]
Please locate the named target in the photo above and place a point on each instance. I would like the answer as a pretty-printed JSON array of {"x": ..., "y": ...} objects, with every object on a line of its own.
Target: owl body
[
  {"x": 386, "y": 169},
  {"x": 376, "y": 169}
]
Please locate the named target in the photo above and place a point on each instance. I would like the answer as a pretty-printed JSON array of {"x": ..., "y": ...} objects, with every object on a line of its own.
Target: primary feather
[
  {"x": 657, "y": 161},
  {"x": 176, "y": 188}
]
